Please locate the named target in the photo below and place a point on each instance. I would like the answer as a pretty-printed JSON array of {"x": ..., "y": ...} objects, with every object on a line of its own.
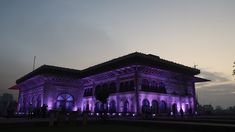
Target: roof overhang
[
  {"x": 199, "y": 79},
  {"x": 15, "y": 87}
]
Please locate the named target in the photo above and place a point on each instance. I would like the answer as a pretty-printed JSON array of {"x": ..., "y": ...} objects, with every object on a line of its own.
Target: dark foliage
[
  {"x": 234, "y": 68},
  {"x": 102, "y": 94}
]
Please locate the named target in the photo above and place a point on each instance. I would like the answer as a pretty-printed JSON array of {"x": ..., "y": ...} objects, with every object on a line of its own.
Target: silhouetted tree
[
  {"x": 219, "y": 110},
  {"x": 102, "y": 94},
  {"x": 6, "y": 104},
  {"x": 205, "y": 109},
  {"x": 234, "y": 68}
]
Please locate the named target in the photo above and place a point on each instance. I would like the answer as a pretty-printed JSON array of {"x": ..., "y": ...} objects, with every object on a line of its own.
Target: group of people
[
  {"x": 62, "y": 115},
  {"x": 147, "y": 112},
  {"x": 37, "y": 112}
]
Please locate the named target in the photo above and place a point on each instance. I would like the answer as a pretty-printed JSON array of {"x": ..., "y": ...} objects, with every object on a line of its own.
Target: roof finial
[
  {"x": 34, "y": 60},
  {"x": 195, "y": 65}
]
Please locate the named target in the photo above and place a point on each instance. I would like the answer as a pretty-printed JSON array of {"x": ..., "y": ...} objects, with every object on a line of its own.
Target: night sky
[{"x": 78, "y": 34}]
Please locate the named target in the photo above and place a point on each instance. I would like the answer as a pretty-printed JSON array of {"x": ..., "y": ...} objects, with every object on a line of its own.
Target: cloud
[
  {"x": 219, "y": 91},
  {"x": 223, "y": 94},
  {"x": 216, "y": 78}
]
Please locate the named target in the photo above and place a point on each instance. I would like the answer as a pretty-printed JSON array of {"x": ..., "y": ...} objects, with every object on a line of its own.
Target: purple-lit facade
[{"x": 133, "y": 87}]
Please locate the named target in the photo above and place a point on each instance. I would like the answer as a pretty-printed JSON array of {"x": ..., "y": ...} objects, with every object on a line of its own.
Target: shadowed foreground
[
  {"x": 96, "y": 128},
  {"x": 122, "y": 124}
]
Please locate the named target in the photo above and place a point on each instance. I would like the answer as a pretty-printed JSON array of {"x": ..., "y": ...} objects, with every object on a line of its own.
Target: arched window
[
  {"x": 112, "y": 106},
  {"x": 65, "y": 101},
  {"x": 97, "y": 107},
  {"x": 105, "y": 86},
  {"x": 28, "y": 102},
  {"x": 126, "y": 85},
  {"x": 124, "y": 106},
  {"x": 186, "y": 108},
  {"x": 132, "y": 85},
  {"x": 112, "y": 87},
  {"x": 145, "y": 84},
  {"x": 24, "y": 104},
  {"x": 154, "y": 106},
  {"x": 39, "y": 101},
  {"x": 145, "y": 105},
  {"x": 163, "y": 107},
  {"x": 34, "y": 101},
  {"x": 153, "y": 85},
  {"x": 87, "y": 107},
  {"x": 162, "y": 88},
  {"x": 97, "y": 88}
]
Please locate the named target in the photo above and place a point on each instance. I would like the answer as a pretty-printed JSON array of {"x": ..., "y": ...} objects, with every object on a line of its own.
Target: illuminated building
[{"x": 136, "y": 82}]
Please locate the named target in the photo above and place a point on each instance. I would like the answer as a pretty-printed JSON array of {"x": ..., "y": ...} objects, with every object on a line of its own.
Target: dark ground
[
  {"x": 93, "y": 128},
  {"x": 122, "y": 124}
]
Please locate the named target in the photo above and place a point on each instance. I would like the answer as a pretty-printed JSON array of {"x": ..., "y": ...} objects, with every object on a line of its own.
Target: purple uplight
[
  {"x": 49, "y": 105},
  {"x": 75, "y": 108},
  {"x": 127, "y": 102}
]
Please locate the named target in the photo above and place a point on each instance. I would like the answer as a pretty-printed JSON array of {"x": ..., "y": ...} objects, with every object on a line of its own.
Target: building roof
[
  {"x": 139, "y": 59},
  {"x": 47, "y": 69},
  {"x": 135, "y": 58}
]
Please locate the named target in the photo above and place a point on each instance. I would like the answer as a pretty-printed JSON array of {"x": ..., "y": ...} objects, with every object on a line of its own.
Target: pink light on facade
[
  {"x": 49, "y": 105},
  {"x": 124, "y": 101},
  {"x": 183, "y": 107},
  {"x": 75, "y": 108}
]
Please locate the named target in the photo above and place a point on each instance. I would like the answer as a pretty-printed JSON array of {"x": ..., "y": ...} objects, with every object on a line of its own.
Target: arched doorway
[
  {"x": 154, "y": 107},
  {"x": 112, "y": 107},
  {"x": 66, "y": 101},
  {"x": 174, "y": 109},
  {"x": 97, "y": 107},
  {"x": 39, "y": 101},
  {"x": 163, "y": 107},
  {"x": 126, "y": 106},
  {"x": 145, "y": 105}
]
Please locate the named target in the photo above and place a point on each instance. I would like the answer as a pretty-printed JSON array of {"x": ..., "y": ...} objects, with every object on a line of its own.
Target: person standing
[
  {"x": 181, "y": 112},
  {"x": 30, "y": 111}
]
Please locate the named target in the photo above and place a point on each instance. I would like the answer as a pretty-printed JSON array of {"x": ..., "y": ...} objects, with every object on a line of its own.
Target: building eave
[{"x": 199, "y": 79}]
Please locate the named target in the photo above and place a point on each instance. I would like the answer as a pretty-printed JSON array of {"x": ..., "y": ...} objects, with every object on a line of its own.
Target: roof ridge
[{"x": 134, "y": 58}]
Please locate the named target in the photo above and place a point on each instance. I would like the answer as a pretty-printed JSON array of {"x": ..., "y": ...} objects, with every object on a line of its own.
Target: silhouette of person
[
  {"x": 174, "y": 110},
  {"x": 30, "y": 111},
  {"x": 181, "y": 112}
]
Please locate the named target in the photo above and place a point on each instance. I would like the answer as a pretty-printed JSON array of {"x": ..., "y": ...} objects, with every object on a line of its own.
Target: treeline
[
  {"x": 7, "y": 104},
  {"x": 218, "y": 110}
]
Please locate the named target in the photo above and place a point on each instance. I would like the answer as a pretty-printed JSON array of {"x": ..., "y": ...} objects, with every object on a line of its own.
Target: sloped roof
[
  {"x": 139, "y": 59},
  {"x": 48, "y": 69},
  {"x": 135, "y": 58}
]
